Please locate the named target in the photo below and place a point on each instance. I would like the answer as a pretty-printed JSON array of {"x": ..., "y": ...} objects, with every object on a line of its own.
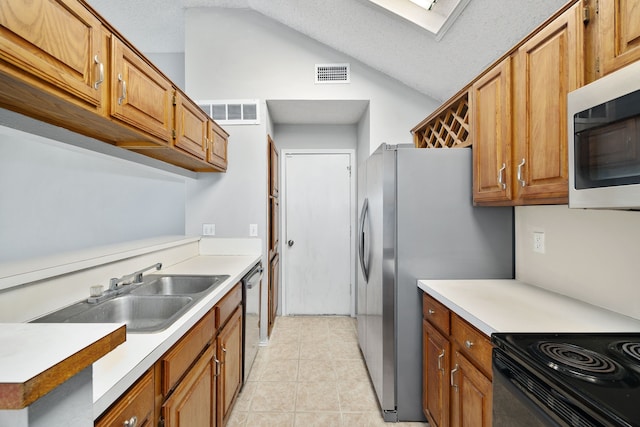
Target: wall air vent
[
  {"x": 232, "y": 112},
  {"x": 333, "y": 73}
]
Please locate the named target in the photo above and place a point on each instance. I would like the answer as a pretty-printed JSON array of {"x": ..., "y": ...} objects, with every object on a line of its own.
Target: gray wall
[{"x": 56, "y": 197}]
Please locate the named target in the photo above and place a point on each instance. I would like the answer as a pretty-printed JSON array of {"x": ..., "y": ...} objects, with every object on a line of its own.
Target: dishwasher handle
[{"x": 253, "y": 277}]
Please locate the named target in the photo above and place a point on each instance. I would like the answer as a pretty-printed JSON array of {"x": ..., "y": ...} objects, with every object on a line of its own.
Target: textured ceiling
[{"x": 485, "y": 30}]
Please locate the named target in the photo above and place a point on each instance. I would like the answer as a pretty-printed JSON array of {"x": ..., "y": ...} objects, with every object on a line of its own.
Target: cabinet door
[
  {"x": 56, "y": 42},
  {"x": 230, "y": 356},
  {"x": 192, "y": 402},
  {"x": 548, "y": 66},
  {"x": 136, "y": 404},
  {"x": 491, "y": 132},
  {"x": 471, "y": 394},
  {"x": 435, "y": 384},
  {"x": 274, "y": 175},
  {"x": 274, "y": 284},
  {"x": 140, "y": 96},
  {"x": 191, "y": 125},
  {"x": 619, "y": 33},
  {"x": 217, "y": 150}
]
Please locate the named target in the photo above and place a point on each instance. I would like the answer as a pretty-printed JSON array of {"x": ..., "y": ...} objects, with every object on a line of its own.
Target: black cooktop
[{"x": 599, "y": 371}]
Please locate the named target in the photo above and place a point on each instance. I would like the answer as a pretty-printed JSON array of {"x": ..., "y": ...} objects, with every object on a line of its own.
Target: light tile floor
[{"x": 311, "y": 374}]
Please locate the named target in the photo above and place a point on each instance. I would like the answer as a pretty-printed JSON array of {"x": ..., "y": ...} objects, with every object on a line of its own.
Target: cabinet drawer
[
  {"x": 177, "y": 361},
  {"x": 436, "y": 313},
  {"x": 227, "y": 305},
  {"x": 138, "y": 402},
  {"x": 473, "y": 343}
]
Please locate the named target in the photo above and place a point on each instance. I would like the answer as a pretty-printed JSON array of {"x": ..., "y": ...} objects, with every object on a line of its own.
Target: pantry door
[{"x": 317, "y": 241}]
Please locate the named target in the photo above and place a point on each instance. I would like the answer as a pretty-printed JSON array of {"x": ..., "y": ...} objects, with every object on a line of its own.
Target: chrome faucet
[{"x": 131, "y": 279}]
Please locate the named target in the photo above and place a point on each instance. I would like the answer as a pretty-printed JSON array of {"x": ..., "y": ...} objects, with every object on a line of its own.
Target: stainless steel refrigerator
[{"x": 417, "y": 221}]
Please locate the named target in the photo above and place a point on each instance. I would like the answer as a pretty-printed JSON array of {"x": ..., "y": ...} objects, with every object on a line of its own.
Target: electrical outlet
[
  {"x": 253, "y": 230},
  {"x": 208, "y": 229},
  {"x": 538, "y": 242}
]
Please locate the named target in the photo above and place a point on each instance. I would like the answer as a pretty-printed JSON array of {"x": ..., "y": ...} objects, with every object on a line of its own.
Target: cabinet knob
[
  {"x": 131, "y": 422},
  {"x": 468, "y": 344},
  {"x": 431, "y": 312}
]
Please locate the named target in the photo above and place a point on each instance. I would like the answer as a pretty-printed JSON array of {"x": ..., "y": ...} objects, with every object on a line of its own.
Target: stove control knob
[{"x": 468, "y": 344}]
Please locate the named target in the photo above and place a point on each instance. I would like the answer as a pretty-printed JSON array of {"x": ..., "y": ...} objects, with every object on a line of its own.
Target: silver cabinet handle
[
  {"x": 468, "y": 344},
  {"x": 453, "y": 371},
  {"x": 217, "y": 362},
  {"x": 100, "y": 72},
  {"x": 224, "y": 356},
  {"x": 500, "y": 175},
  {"x": 123, "y": 94},
  {"x": 440, "y": 357},
  {"x": 520, "y": 180},
  {"x": 431, "y": 311},
  {"x": 131, "y": 422}
]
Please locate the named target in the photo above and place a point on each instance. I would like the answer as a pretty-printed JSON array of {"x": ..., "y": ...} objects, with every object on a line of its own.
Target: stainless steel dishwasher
[{"x": 251, "y": 285}]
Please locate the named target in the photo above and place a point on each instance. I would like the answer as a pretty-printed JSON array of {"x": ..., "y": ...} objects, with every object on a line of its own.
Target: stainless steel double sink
[{"x": 150, "y": 306}]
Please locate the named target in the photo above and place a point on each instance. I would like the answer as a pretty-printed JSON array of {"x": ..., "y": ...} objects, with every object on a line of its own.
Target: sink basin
[
  {"x": 178, "y": 285},
  {"x": 140, "y": 313},
  {"x": 150, "y": 307}
]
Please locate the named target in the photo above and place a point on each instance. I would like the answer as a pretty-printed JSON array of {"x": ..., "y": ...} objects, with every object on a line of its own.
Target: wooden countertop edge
[{"x": 18, "y": 396}]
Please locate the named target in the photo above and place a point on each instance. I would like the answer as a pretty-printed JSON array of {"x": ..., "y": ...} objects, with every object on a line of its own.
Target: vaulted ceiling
[{"x": 484, "y": 31}]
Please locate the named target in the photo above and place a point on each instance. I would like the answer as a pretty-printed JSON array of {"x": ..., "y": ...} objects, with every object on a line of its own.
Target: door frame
[{"x": 283, "y": 219}]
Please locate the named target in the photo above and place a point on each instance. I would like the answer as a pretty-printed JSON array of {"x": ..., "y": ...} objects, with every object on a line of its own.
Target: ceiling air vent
[
  {"x": 232, "y": 112},
  {"x": 333, "y": 73}
]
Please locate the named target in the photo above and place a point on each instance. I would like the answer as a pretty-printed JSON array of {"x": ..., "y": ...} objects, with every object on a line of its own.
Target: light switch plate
[{"x": 253, "y": 230}]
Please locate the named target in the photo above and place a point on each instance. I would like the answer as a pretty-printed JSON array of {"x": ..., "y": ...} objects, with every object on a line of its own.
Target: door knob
[{"x": 290, "y": 243}]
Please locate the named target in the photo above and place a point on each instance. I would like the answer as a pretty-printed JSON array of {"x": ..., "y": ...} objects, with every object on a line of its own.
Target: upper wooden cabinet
[
  {"x": 55, "y": 45},
  {"x": 491, "y": 133},
  {"x": 547, "y": 67},
  {"x": 140, "y": 95},
  {"x": 192, "y": 127},
  {"x": 217, "y": 146},
  {"x": 61, "y": 63},
  {"x": 519, "y": 115},
  {"x": 618, "y": 34}
]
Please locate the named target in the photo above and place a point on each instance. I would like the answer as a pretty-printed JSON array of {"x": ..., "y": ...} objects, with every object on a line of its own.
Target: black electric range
[{"x": 584, "y": 380}]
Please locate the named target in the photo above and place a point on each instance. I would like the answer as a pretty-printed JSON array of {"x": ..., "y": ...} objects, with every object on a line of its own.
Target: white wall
[
  {"x": 315, "y": 136},
  {"x": 171, "y": 64},
  {"x": 56, "y": 197},
  {"x": 240, "y": 54},
  {"x": 592, "y": 255}
]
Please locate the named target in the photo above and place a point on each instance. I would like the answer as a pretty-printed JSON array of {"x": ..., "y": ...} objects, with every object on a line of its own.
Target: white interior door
[{"x": 317, "y": 239}]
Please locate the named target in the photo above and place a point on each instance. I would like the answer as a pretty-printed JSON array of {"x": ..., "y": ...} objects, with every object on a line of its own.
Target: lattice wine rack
[{"x": 448, "y": 127}]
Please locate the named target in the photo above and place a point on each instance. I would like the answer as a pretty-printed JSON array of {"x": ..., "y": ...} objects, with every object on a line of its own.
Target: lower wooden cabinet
[
  {"x": 470, "y": 394},
  {"x": 456, "y": 370},
  {"x": 196, "y": 382},
  {"x": 192, "y": 403},
  {"x": 274, "y": 279},
  {"x": 435, "y": 383},
  {"x": 229, "y": 343},
  {"x": 135, "y": 407}
]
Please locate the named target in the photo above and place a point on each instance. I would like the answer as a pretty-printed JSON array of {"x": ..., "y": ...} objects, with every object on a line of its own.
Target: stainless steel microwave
[{"x": 604, "y": 142}]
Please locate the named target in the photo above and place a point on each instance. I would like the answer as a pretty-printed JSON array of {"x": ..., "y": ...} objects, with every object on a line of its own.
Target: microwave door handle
[{"x": 363, "y": 237}]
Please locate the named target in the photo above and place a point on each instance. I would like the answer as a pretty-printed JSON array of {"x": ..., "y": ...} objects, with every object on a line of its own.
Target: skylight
[{"x": 435, "y": 16}]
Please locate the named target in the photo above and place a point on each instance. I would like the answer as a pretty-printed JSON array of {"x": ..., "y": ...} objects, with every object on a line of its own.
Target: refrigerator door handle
[{"x": 364, "y": 257}]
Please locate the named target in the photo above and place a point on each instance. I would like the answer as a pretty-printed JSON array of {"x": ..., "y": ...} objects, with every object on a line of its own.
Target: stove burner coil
[
  {"x": 578, "y": 361},
  {"x": 631, "y": 349}
]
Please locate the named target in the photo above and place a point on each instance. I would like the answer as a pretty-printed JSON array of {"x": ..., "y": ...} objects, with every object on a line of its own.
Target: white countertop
[
  {"x": 514, "y": 306},
  {"x": 118, "y": 370},
  {"x": 28, "y": 349}
]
